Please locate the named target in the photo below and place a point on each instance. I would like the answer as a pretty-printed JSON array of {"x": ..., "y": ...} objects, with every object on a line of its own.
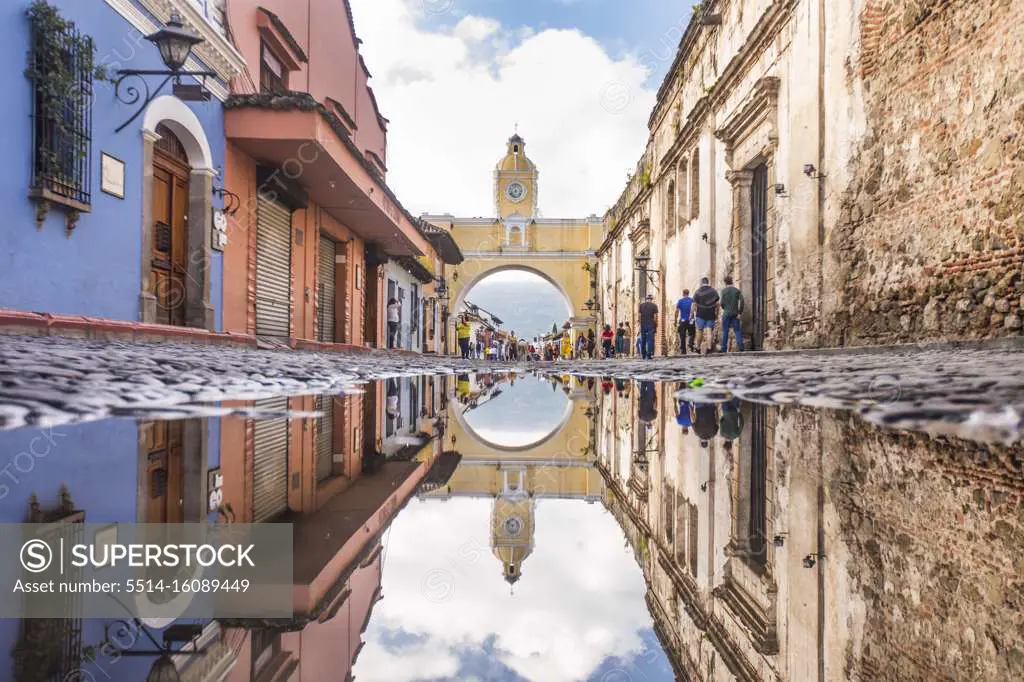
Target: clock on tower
[{"x": 515, "y": 190}]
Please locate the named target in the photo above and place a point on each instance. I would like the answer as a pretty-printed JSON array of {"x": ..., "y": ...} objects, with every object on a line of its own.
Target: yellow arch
[
  {"x": 463, "y": 287},
  {"x": 468, "y": 429}
]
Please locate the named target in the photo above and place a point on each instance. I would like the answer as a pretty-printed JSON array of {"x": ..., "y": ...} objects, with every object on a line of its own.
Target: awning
[
  {"x": 444, "y": 243},
  {"x": 416, "y": 269}
]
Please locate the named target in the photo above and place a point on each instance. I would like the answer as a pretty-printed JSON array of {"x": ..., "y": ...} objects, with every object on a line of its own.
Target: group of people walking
[
  {"x": 696, "y": 318},
  {"x": 485, "y": 344}
]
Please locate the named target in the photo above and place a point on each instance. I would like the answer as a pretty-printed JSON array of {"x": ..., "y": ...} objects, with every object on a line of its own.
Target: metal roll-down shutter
[
  {"x": 270, "y": 466},
  {"x": 273, "y": 268}
]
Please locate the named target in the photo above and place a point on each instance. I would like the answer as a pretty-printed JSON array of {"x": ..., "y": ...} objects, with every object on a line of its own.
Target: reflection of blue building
[
  {"x": 105, "y": 472},
  {"x": 99, "y": 222},
  {"x": 114, "y": 224}
]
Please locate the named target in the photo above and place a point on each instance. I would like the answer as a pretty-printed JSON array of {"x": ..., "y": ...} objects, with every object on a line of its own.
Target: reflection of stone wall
[
  {"x": 935, "y": 537},
  {"x": 919, "y": 573},
  {"x": 930, "y": 234}
]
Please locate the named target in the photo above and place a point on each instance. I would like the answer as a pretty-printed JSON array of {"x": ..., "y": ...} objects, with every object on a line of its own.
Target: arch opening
[
  {"x": 513, "y": 415},
  {"x": 526, "y": 300}
]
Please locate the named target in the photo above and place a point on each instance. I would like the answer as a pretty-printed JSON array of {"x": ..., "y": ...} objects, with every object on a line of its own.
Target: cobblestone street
[{"x": 970, "y": 392}]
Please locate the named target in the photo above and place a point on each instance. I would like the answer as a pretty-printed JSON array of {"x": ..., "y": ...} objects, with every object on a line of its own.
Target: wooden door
[
  {"x": 169, "y": 236},
  {"x": 165, "y": 450}
]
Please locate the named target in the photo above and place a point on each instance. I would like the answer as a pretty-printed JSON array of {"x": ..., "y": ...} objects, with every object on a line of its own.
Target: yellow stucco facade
[{"x": 517, "y": 237}]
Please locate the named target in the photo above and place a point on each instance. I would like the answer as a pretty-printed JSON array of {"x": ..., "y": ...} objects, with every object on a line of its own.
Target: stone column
[
  {"x": 147, "y": 298},
  {"x": 741, "y": 241},
  {"x": 198, "y": 310}
]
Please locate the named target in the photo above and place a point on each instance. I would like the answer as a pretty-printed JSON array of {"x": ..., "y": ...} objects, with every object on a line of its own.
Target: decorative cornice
[
  {"x": 762, "y": 626},
  {"x": 739, "y": 179},
  {"x": 643, "y": 229},
  {"x": 552, "y": 255},
  {"x": 761, "y": 106},
  {"x": 216, "y": 52}
]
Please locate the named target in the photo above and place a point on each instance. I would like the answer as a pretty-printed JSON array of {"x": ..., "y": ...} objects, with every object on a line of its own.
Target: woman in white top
[{"x": 394, "y": 317}]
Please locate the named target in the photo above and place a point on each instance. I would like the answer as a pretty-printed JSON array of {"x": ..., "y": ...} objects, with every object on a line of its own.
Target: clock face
[
  {"x": 515, "y": 191},
  {"x": 513, "y": 526}
]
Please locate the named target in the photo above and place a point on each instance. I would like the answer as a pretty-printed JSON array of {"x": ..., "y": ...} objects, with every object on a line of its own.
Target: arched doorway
[
  {"x": 177, "y": 204},
  {"x": 177, "y": 216},
  {"x": 169, "y": 228}
]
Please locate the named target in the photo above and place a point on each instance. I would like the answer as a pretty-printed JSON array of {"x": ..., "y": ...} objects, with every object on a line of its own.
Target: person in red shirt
[{"x": 607, "y": 339}]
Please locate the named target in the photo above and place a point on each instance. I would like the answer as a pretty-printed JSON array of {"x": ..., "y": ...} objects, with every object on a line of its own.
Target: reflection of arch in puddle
[{"x": 555, "y": 430}]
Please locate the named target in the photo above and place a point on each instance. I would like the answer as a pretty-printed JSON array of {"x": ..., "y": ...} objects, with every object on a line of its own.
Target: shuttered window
[
  {"x": 325, "y": 290},
  {"x": 325, "y": 466},
  {"x": 273, "y": 268},
  {"x": 270, "y": 468}
]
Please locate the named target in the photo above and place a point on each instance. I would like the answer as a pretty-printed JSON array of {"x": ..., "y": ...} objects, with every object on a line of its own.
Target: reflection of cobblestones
[
  {"x": 51, "y": 380},
  {"x": 969, "y": 392}
]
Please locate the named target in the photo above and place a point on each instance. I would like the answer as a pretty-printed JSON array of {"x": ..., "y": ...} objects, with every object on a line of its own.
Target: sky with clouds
[
  {"x": 522, "y": 415},
  {"x": 577, "y": 613},
  {"x": 455, "y": 76}
]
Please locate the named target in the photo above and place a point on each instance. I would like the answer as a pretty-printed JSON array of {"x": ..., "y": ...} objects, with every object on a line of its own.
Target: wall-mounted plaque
[{"x": 112, "y": 175}]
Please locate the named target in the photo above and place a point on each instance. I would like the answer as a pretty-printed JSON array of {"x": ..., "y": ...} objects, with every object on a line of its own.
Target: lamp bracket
[
  {"x": 232, "y": 202},
  {"x": 132, "y": 94}
]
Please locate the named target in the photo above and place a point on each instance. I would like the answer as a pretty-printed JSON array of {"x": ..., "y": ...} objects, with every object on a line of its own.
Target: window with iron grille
[
  {"x": 61, "y": 71},
  {"x": 50, "y": 649}
]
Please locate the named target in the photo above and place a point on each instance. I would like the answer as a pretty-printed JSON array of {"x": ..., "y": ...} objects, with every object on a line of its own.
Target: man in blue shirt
[
  {"x": 684, "y": 322},
  {"x": 684, "y": 415}
]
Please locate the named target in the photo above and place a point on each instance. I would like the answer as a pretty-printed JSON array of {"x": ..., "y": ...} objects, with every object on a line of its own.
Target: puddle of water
[{"x": 510, "y": 527}]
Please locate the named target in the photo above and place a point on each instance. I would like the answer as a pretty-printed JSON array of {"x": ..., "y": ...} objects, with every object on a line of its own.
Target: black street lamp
[
  {"x": 175, "y": 43},
  {"x": 163, "y": 668},
  {"x": 442, "y": 288},
  {"x": 641, "y": 266}
]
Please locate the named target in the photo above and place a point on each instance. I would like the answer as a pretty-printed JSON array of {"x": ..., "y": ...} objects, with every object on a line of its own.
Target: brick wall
[
  {"x": 930, "y": 238},
  {"x": 934, "y": 531}
]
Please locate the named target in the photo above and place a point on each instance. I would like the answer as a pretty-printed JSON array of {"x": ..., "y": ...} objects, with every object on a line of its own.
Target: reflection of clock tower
[
  {"x": 512, "y": 523},
  {"x": 515, "y": 192}
]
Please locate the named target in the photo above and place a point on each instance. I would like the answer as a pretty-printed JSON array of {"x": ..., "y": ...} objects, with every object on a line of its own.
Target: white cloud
[
  {"x": 454, "y": 95},
  {"x": 471, "y": 29},
  {"x": 579, "y": 601}
]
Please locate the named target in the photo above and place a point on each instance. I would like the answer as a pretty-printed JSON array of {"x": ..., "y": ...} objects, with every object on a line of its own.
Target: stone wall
[
  {"x": 934, "y": 535},
  {"x": 930, "y": 236}
]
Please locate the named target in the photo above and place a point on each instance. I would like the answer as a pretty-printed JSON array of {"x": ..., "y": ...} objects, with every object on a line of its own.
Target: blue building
[
  {"x": 111, "y": 196},
  {"x": 110, "y": 193}
]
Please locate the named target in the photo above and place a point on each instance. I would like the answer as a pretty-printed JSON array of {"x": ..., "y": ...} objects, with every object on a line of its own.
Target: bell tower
[
  {"x": 512, "y": 520},
  {"x": 515, "y": 188}
]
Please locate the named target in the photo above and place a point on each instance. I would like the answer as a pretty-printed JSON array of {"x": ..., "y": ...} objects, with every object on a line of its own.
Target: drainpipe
[
  {"x": 712, "y": 229},
  {"x": 821, "y": 169},
  {"x": 821, "y": 334}
]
